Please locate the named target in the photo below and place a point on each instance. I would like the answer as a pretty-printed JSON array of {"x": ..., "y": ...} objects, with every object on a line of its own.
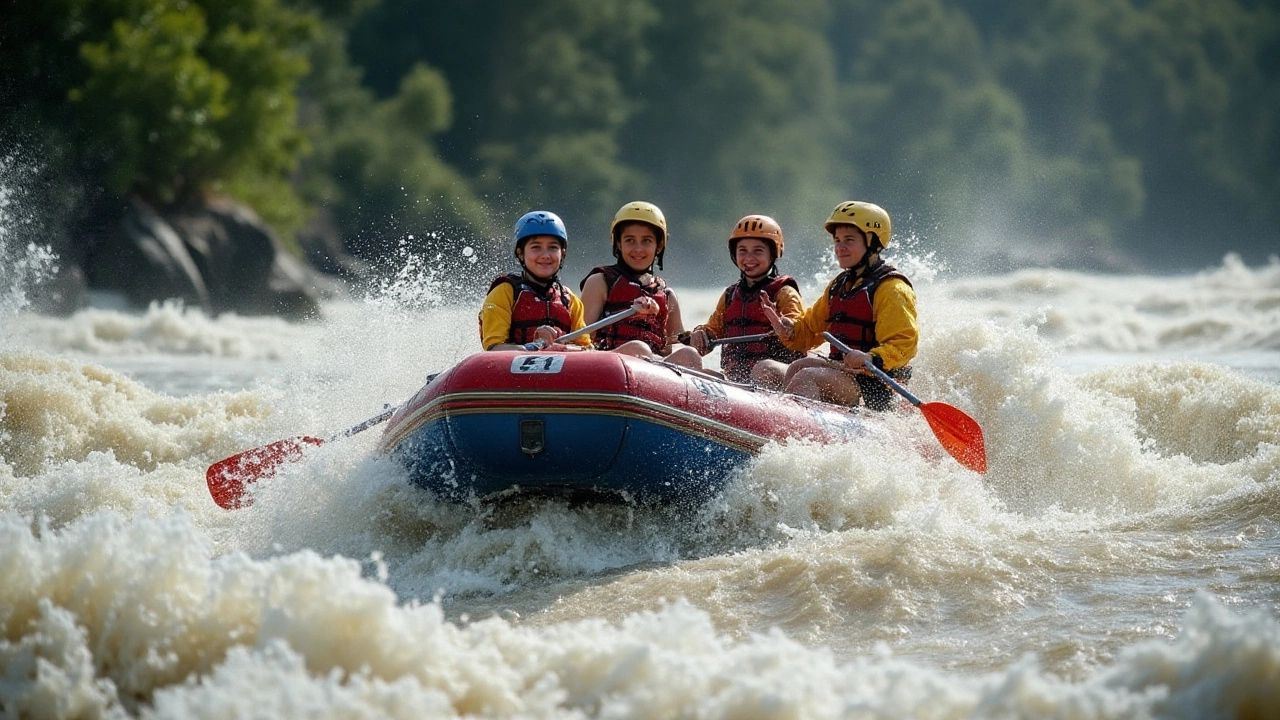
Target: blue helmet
[{"x": 541, "y": 222}]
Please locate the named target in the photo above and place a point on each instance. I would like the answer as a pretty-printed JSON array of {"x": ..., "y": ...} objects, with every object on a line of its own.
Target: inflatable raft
[{"x": 594, "y": 423}]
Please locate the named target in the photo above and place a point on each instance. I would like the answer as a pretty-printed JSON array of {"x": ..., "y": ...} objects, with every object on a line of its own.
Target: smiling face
[
  {"x": 541, "y": 256},
  {"x": 753, "y": 257},
  {"x": 850, "y": 245},
  {"x": 638, "y": 245}
]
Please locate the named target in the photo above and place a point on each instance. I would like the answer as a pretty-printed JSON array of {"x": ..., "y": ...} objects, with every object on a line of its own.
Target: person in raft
[
  {"x": 533, "y": 304},
  {"x": 870, "y": 306},
  {"x": 755, "y": 245},
  {"x": 639, "y": 232}
]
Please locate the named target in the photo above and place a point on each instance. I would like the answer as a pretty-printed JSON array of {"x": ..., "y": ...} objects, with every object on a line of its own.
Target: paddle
[
  {"x": 571, "y": 336},
  {"x": 228, "y": 478},
  {"x": 684, "y": 337},
  {"x": 959, "y": 434}
]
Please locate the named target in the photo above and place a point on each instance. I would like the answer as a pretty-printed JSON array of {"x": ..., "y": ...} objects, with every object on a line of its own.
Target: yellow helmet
[
  {"x": 761, "y": 227},
  {"x": 645, "y": 212},
  {"x": 640, "y": 212},
  {"x": 867, "y": 217}
]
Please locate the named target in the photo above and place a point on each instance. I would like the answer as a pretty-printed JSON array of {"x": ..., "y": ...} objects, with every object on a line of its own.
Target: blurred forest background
[{"x": 1103, "y": 134}]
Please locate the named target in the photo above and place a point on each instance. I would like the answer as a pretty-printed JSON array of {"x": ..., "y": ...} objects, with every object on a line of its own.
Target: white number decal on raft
[
  {"x": 713, "y": 390},
  {"x": 530, "y": 364}
]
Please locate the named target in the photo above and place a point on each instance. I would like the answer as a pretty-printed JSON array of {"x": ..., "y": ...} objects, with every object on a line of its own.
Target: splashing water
[
  {"x": 1119, "y": 560},
  {"x": 23, "y": 263}
]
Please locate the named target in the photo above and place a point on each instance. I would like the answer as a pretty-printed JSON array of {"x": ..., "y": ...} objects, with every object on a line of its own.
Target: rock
[
  {"x": 244, "y": 264},
  {"x": 324, "y": 249},
  {"x": 215, "y": 254},
  {"x": 139, "y": 255}
]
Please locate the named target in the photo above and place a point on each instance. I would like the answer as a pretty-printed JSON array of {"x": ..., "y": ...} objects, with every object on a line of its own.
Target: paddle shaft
[
  {"x": 870, "y": 367},
  {"x": 739, "y": 339},
  {"x": 570, "y": 337},
  {"x": 365, "y": 425},
  {"x": 227, "y": 478},
  {"x": 685, "y": 337},
  {"x": 567, "y": 337}
]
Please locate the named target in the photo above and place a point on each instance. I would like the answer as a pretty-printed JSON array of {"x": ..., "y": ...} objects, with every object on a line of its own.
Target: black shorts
[{"x": 875, "y": 394}]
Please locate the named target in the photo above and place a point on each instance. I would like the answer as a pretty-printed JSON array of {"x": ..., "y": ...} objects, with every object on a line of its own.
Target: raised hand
[{"x": 782, "y": 326}]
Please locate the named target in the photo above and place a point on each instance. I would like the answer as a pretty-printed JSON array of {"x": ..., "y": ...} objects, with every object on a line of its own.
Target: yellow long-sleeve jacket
[
  {"x": 495, "y": 316},
  {"x": 893, "y": 309}
]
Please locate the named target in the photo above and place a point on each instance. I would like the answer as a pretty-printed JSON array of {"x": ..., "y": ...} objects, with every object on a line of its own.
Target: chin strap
[
  {"x": 543, "y": 287},
  {"x": 630, "y": 274},
  {"x": 869, "y": 262}
]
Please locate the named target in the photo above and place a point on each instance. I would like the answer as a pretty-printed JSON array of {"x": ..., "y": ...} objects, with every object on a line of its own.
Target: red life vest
[
  {"x": 624, "y": 289},
  {"x": 744, "y": 316},
  {"x": 535, "y": 306},
  {"x": 851, "y": 318}
]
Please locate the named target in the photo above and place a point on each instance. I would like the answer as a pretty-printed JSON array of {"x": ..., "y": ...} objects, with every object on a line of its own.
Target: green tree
[
  {"x": 161, "y": 97},
  {"x": 376, "y": 167},
  {"x": 742, "y": 117},
  {"x": 559, "y": 99},
  {"x": 933, "y": 135},
  {"x": 946, "y": 140},
  {"x": 541, "y": 91},
  {"x": 1173, "y": 102},
  {"x": 1190, "y": 91}
]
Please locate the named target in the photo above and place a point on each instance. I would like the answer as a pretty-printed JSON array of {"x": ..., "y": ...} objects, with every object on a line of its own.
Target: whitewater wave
[{"x": 109, "y": 617}]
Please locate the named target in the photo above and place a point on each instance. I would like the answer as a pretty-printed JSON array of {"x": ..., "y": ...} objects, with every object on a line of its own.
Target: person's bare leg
[
  {"x": 825, "y": 383},
  {"x": 839, "y": 387},
  {"x": 804, "y": 382},
  {"x": 808, "y": 361},
  {"x": 635, "y": 348},
  {"x": 769, "y": 374},
  {"x": 685, "y": 356}
]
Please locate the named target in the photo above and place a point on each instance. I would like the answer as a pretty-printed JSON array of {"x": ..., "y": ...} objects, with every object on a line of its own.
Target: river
[{"x": 1121, "y": 559}]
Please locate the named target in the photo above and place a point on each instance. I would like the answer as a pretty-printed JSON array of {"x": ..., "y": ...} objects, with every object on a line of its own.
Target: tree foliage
[
  {"x": 1086, "y": 127},
  {"x": 172, "y": 96},
  {"x": 749, "y": 116},
  {"x": 375, "y": 164},
  {"x": 162, "y": 98},
  {"x": 557, "y": 101}
]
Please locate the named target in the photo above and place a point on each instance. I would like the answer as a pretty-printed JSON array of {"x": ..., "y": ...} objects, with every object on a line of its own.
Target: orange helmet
[{"x": 761, "y": 227}]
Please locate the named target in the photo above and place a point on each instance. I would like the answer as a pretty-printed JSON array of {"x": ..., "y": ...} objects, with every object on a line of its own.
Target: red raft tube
[{"x": 594, "y": 424}]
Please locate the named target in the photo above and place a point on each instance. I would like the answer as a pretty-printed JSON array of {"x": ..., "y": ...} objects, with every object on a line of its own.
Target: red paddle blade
[
  {"x": 959, "y": 434},
  {"x": 228, "y": 478}
]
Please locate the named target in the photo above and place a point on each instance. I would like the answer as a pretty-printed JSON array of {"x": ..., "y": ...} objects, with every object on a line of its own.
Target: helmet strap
[
  {"x": 519, "y": 248},
  {"x": 632, "y": 276},
  {"x": 747, "y": 286},
  {"x": 869, "y": 262},
  {"x": 626, "y": 269},
  {"x": 537, "y": 282},
  {"x": 533, "y": 279},
  {"x": 746, "y": 282}
]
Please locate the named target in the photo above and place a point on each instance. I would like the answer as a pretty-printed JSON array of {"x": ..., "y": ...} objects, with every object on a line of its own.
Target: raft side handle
[{"x": 533, "y": 437}]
